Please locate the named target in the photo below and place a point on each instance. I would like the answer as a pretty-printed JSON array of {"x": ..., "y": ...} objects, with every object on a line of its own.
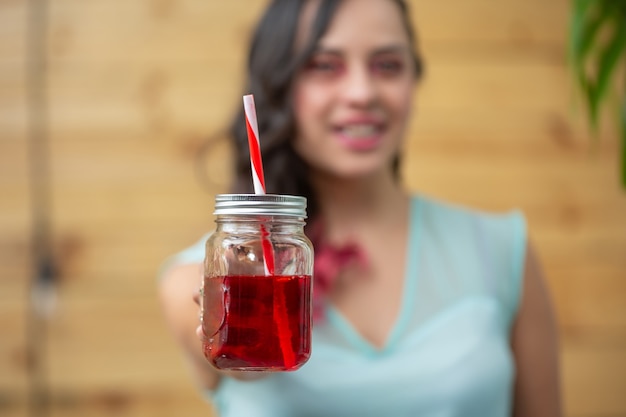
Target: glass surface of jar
[{"x": 256, "y": 293}]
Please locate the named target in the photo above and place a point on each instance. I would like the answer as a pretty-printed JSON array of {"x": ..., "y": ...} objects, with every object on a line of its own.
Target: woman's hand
[
  {"x": 178, "y": 288},
  {"x": 240, "y": 375}
]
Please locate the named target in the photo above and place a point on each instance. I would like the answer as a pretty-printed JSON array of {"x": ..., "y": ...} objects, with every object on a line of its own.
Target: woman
[{"x": 429, "y": 309}]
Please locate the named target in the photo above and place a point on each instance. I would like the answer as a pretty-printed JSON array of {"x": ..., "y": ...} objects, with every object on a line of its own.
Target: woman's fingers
[{"x": 200, "y": 333}]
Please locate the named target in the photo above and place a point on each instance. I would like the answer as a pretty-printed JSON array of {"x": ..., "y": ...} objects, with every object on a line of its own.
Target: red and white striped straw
[
  {"x": 258, "y": 178},
  {"x": 280, "y": 309},
  {"x": 256, "y": 163}
]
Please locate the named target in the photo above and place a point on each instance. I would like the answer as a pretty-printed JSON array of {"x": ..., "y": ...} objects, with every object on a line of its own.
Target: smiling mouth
[
  {"x": 360, "y": 131},
  {"x": 360, "y": 137}
]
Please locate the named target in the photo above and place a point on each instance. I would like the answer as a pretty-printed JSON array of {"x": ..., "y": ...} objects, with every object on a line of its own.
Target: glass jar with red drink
[{"x": 256, "y": 293}]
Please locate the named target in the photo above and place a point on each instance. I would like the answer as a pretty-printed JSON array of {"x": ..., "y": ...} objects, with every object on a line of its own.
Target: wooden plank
[
  {"x": 185, "y": 30},
  {"x": 15, "y": 207},
  {"x": 13, "y": 323},
  {"x": 13, "y": 110},
  {"x": 15, "y": 256},
  {"x": 498, "y": 87},
  {"x": 157, "y": 99},
  {"x": 592, "y": 297},
  {"x": 531, "y": 182},
  {"x": 147, "y": 30},
  {"x": 118, "y": 401},
  {"x": 13, "y": 20},
  {"x": 491, "y": 21},
  {"x": 594, "y": 381},
  {"x": 15, "y": 215},
  {"x": 118, "y": 355},
  {"x": 111, "y": 342},
  {"x": 106, "y": 266},
  {"x": 14, "y": 378}
]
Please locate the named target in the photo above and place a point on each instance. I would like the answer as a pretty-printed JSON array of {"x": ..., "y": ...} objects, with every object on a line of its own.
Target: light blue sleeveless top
[{"x": 448, "y": 354}]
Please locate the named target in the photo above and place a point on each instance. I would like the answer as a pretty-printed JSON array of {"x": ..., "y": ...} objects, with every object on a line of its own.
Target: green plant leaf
[
  {"x": 609, "y": 57},
  {"x": 582, "y": 33},
  {"x": 577, "y": 25},
  {"x": 595, "y": 52},
  {"x": 587, "y": 19}
]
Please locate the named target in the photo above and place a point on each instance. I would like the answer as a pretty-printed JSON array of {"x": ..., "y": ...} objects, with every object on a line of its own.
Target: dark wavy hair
[{"x": 273, "y": 62}]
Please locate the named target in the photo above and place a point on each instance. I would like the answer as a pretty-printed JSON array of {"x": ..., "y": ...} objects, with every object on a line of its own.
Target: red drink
[{"x": 257, "y": 322}]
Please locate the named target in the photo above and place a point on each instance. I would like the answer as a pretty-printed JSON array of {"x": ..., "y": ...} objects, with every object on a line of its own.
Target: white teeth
[{"x": 359, "y": 131}]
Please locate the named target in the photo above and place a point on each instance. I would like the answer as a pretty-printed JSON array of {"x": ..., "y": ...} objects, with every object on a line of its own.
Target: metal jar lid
[{"x": 260, "y": 204}]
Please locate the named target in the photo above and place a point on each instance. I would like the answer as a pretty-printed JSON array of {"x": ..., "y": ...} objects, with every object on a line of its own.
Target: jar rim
[{"x": 260, "y": 204}]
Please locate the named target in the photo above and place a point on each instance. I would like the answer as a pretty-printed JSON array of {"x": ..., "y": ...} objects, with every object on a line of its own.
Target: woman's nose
[{"x": 359, "y": 87}]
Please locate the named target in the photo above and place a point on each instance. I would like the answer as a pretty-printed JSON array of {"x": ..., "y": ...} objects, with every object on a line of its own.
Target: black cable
[{"x": 41, "y": 294}]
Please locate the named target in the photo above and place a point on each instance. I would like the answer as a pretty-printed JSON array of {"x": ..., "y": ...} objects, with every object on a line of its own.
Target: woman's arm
[{"x": 535, "y": 346}]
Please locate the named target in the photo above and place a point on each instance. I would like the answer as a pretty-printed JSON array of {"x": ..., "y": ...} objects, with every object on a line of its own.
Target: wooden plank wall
[{"x": 134, "y": 87}]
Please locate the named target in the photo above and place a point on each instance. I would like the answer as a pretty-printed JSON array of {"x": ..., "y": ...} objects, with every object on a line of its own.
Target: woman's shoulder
[
  {"x": 434, "y": 206},
  {"x": 459, "y": 227},
  {"x": 450, "y": 217}
]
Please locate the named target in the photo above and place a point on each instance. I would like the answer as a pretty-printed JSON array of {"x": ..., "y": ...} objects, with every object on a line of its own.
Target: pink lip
[{"x": 361, "y": 144}]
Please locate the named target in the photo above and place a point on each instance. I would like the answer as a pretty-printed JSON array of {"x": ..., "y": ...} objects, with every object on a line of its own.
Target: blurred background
[{"x": 105, "y": 104}]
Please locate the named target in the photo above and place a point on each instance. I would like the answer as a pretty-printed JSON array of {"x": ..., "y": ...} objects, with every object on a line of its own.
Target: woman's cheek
[{"x": 404, "y": 104}]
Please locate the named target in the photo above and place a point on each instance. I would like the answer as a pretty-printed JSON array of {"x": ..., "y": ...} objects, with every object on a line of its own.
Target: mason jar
[{"x": 256, "y": 308}]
